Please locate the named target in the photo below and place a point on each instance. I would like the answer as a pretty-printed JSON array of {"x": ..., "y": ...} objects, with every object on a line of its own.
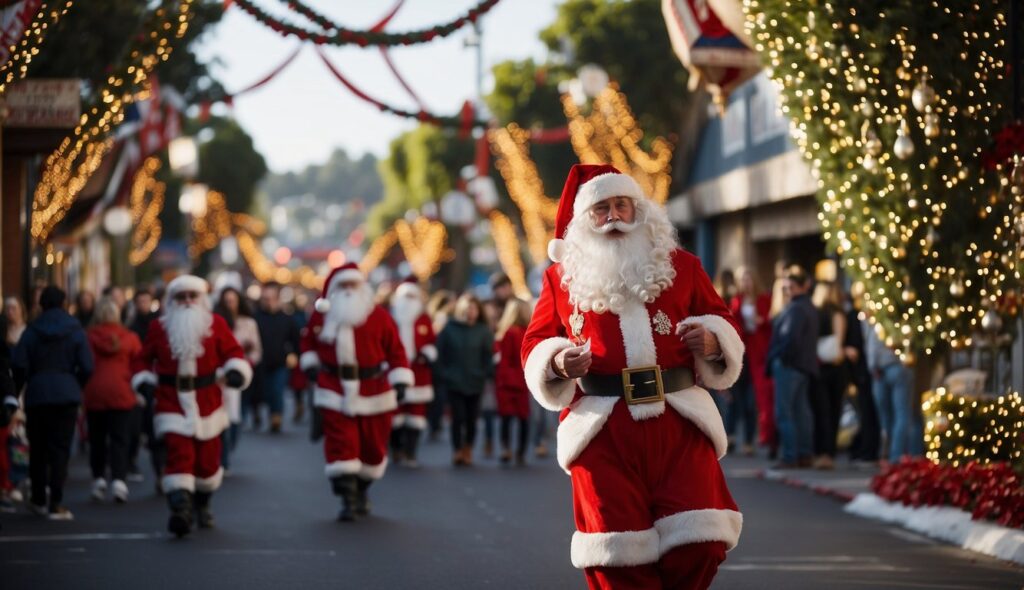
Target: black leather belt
[
  {"x": 638, "y": 385},
  {"x": 188, "y": 382},
  {"x": 355, "y": 373}
]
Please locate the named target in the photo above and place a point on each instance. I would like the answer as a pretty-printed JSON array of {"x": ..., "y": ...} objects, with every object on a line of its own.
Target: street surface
[{"x": 483, "y": 527}]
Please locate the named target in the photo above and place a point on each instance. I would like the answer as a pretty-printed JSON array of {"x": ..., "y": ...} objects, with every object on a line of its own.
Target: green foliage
[
  {"x": 629, "y": 40},
  {"x": 527, "y": 93},
  {"x": 423, "y": 165},
  {"x": 229, "y": 163},
  {"x": 339, "y": 180},
  {"x": 914, "y": 231}
]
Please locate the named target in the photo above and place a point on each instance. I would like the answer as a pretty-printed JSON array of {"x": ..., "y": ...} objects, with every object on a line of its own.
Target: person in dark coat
[
  {"x": 465, "y": 361},
  {"x": 280, "y": 337},
  {"x": 54, "y": 361}
]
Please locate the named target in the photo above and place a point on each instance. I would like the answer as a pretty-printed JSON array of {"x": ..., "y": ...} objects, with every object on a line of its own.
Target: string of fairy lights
[
  {"x": 896, "y": 110},
  {"x": 146, "y": 201},
  {"x": 16, "y": 67},
  {"x": 69, "y": 167},
  {"x": 959, "y": 429},
  {"x": 423, "y": 244},
  {"x": 506, "y": 243}
]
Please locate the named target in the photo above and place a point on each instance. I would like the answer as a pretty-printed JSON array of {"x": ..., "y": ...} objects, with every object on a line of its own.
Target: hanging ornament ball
[
  {"x": 873, "y": 145},
  {"x": 866, "y": 108},
  {"x": 991, "y": 322},
  {"x": 903, "y": 147},
  {"x": 908, "y": 295},
  {"x": 931, "y": 125},
  {"x": 952, "y": 311},
  {"x": 931, "y": 237},
  {"x": 322, "y": 305},
  {"x": 956, "y": 288},
  {"x": 860, "y": 85},
  {"x": 923, "y": 95},
  {"x": 870, "y": 163}
]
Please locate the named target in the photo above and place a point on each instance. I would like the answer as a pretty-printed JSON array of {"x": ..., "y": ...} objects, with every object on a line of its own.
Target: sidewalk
[{"x": 842, "y": 483}]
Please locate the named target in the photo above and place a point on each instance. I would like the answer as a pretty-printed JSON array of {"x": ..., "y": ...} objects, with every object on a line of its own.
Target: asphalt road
[{"x": 437, "y": 527}]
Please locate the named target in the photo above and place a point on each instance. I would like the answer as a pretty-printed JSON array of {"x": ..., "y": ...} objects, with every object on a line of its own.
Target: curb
[{"x": 838, "y": 495}]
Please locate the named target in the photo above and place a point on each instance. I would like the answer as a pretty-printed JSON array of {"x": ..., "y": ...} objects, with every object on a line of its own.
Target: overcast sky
[{"x": 304, "y": 113}]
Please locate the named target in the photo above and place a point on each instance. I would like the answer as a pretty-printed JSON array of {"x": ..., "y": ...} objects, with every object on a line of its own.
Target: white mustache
[{"x": 622, "y": 226}]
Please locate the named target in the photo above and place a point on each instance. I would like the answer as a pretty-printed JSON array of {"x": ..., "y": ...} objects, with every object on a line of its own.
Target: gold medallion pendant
[{"x": 662, "y": 324}]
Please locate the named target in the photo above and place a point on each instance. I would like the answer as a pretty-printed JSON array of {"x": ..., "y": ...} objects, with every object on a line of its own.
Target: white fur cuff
[
  {"x": 142, "y": 377},
  {"x": 212, "y": 483},
  {"x": 614, "y": 549},
  {"x": 699, "y": 526},
  {"x": 552, "y": 395},
  {"x": 309, "y": 360},
  {"x": 712, "y": 373},
  {"x": 349, "y": 467},
  {"x": 373, "y": 472},
  {"x": 401, "y": 376},
  {"x": 242, "y": 366},
  {"x": 178, "y": 481},
  {"x": 429, "y": 352}
]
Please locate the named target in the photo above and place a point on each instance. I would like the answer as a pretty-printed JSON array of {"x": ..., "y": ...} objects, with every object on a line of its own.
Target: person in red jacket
[
  {"x": 109, "y": 399},
  {"x": 626, "y": 323},
  {"x": 509, "y": 381},
  {"x": 418, "y": 338},
  {"x": 353, "y": 353},
  {"x": 188, "y": 353},
  {"x": 752, "y": 309}
]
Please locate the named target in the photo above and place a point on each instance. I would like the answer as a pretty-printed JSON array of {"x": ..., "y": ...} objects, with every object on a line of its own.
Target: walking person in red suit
[
  {"x": 352, "y": 351},
  {"x": 509, "y": 382},
  {"x": 417, "y": 334},
  {"x": 626, "y": 324},
  {"x": 188, "y": 355},
  {"x": 752, "y": 309}
]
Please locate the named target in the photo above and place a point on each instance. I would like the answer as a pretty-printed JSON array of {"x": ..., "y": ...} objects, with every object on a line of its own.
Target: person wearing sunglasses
[{"x": 189, "y": 354}]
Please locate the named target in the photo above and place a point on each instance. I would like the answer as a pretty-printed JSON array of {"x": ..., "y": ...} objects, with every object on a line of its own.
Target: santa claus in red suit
[
  {"x": 352, "y": 351},
  {"x": 626, "y": 327},
  {"x": 188, "y": 356},
  {"x": 417, "y": 334}
]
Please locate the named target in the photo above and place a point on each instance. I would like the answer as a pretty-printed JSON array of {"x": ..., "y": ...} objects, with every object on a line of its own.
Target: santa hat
[
  {"x": 587, "y": 185},
  {"x": 408, "y": 285},
  {"x": 187, "y": 283},
  {"x": 346, "y": 272}
]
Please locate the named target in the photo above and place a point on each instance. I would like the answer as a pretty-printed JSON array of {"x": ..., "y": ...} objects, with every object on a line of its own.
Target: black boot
[
  {"x": 204, "y": 516},
  {"x": 412, "y": 440},
  {"x": 344, "y": 486},
  {"x": 180, "y": 503},
  {"x": 398, "y": 444},
  {"x": 362, "y": 506}
]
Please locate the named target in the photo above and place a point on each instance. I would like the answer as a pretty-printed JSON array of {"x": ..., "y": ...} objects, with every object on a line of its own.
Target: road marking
[
  {"x": 272, "y": 552},
  {"x": 809, "y": 567},
  {"x": 82, "y": 537},
  {"x": 911, "y": 537}
]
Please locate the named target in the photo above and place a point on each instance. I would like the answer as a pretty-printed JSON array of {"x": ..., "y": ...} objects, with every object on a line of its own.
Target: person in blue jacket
[{"x": 54, "y": 361}]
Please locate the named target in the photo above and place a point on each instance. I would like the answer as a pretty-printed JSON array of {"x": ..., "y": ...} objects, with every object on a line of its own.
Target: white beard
[
  {"x": 406, "y": 310},
  {"x": 186, "y": 328},
  {"x": 603, "y": 273},
  {"x": 348, "y": 309}
]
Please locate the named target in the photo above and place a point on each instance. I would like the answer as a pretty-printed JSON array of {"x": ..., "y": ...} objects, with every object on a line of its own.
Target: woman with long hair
[
  {"x": 833, "y": 377},
  {"x": 14, "y": 312},
  {"x": 465, "y": 361},
  {"x": 753, "y": 394},
  {"x": 236, "y": 311},
  {"x": 509, "y": 381}
]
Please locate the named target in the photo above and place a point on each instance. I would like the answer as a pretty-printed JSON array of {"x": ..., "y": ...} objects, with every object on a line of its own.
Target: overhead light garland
[
  {"x": 378, "y": 250},
  {"x": 506, "y": 243},
  {"x": 896, "y": 109},
  {"x": 146, "y": 202},
  {"x": 423, "y": 244},
  {"x": 16, "y": 67},
  {"x": 67, "y": 169},
  {"x": 339, "y": 35}
]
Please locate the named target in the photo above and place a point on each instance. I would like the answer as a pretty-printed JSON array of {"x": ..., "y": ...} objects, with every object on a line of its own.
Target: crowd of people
[
  {"x": 816, "y": 375},
  {"x": 71, "y": 380}
]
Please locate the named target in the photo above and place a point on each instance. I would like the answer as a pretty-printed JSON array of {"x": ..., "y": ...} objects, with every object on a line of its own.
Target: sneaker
[
  {"x": 61, "y": 513},
  {"x": 120, "y": 491},
  {"x": 506, "y": 457},
  {"x": 99, "y": 489},
  {"x": 747, "y": 450},
  {"x": 135, "y": 477},
  {"x": 38, "y": 509},
  {"x": 540, "y": 450},
  {"x": 824, "y": 463},
  {"x": 15, "y": 495}
]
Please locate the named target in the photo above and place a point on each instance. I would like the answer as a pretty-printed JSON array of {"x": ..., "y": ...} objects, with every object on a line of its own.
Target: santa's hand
[
  {"x": 702, "y": 343},
  {"x": 234, "y": 379},
  {"x": 400, "y": 391},
  {"x": 147, "y": 390},
  {"x": 311, "y": 374},
  {"x": 571, "y": 363}
]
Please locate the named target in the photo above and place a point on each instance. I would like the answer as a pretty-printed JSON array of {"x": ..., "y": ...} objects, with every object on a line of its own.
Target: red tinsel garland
[
  {"x": 989, "y": 492},
  {"x": 344, "y": 36}
]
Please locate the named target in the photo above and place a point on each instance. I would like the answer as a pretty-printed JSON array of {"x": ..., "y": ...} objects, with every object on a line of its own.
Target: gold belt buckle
[
  {"x": 647, "y": 389},
  {"x": 186, "y": 383}
]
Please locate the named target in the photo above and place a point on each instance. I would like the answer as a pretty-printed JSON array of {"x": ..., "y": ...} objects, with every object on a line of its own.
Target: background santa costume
[
  {"x": 361, "y": 370},
  {"x": 651, "y": 504},
  {"x": 189, "y": 352},
  {"x": 417, "y": 334}
]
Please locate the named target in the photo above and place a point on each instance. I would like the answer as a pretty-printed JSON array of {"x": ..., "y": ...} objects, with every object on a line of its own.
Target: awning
[{"x": 788, "y": 219}]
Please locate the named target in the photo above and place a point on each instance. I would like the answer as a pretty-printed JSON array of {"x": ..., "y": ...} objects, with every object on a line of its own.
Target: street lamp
[
  {"x": 183, "y": 154},
  {"x": 117, "y": 221}
]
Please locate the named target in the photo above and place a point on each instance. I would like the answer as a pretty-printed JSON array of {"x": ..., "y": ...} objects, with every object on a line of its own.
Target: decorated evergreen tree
[{"x": 905, "y": 110}]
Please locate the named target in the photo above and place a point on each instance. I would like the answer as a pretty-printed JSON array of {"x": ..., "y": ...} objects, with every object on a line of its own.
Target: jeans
[
  {"x": 465, "y": 413},
  {"x": 275, "y": 382},
  {"x": 792, "y": 412},
  {"x": 506, "y": 434},
  {"x": 898, "y": 414},
  {"x": 539, "y": 416},
  {"x": 115, "y": 427},
  {"x": 228, "y": 440},
  {"x": 50, "y": 431},
  {"x": 741, "y": 406}
]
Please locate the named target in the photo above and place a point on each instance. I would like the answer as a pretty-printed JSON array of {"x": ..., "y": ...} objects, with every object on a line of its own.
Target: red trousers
[
  {"x": 356, "y": 445},
  {"x": 5, "y": 464},
  {"x": 687, "y": 567},
  {"x": 764, "y": 394},
  {"x": 192, "y": 464}
]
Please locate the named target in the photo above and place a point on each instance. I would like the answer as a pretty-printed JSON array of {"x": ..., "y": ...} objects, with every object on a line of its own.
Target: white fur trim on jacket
[
  {"x": 699, "y": 526},
  {"x": 711, "y": 372},
  {"x": 201, "y": 428},
  {"x": 349, "y": 467},
  {"x": 401, "y": 376},
  {"x": 420, "y": 394},
  {"x": 212, "y": 483},
  {"x": 233, "y": 403},
  {"x": 373, "y": 472},
  {"x": 309, "y": 360},
  {"x": 617, "y": 549},
  {"x": 695, "y": 404},
  {"x": 353, "y": 404},
  {"x": 602, "y": 187},
  {"x": 240, "y": 365},
  {"x": 178, "y": 481},
  {"x": 551, "y": 395},
  {"x": 142, "y": 377},
  {"x": 429, "y": 352},
  {"x": 416, "y": 422},
  {"x": 398, "y": 420},
  {"x": 187, "y": 283},
  {"x": 638, "y": 343},
  {"x": 581, "y": 425}
]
